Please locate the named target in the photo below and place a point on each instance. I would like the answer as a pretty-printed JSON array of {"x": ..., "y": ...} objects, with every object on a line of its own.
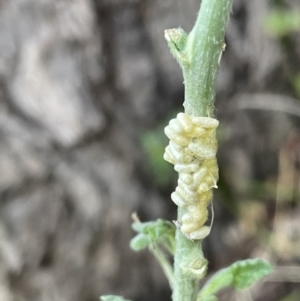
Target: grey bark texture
[{"x": 80, "y": 82}]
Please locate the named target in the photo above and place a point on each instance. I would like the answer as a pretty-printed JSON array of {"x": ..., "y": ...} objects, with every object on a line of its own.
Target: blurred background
[{"x": 86, "y": 88}]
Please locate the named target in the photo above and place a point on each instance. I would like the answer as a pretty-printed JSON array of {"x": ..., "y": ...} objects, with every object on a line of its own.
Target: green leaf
[
  {"x": 139, "y": 242},
  {"x": 248, "y": 271},
  {"x": 112, "y": 298},
  {"x": 240, "y": 275},
  {"x": 139, "y": 227},
  {"x": 159, "y": 236},
  {"x": 176, "y": 39},
  {"x": 155, "y": 232}
]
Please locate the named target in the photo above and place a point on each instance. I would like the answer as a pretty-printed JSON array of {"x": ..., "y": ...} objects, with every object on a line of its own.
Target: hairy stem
[
  {"x": 198, "y": 54},
  {"x": 204, "y": 47}
]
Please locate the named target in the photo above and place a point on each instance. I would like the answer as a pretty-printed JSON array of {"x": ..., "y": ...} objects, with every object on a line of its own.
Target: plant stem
[
  {"x": 198, "y": 55},
  {"x": 204, "y": 47},
  {"x": 188, "y": 262},
  {"x": 164, "y": 263}
]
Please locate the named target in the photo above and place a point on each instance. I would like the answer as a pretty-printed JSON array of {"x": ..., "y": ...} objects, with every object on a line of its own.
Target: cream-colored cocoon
[{"x": 192, "y": 149}]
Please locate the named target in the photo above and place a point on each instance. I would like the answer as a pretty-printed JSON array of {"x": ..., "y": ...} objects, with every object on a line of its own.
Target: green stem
[
  {"x": 204, "y": 47},
  {"x": 189, "y": 266},
  {"x": 164, "y": 263},
  {"x": 198, "y": 54}
]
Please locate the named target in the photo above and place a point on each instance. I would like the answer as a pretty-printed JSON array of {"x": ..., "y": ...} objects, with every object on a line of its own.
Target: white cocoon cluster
[{"x": 192, "y": 149}]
